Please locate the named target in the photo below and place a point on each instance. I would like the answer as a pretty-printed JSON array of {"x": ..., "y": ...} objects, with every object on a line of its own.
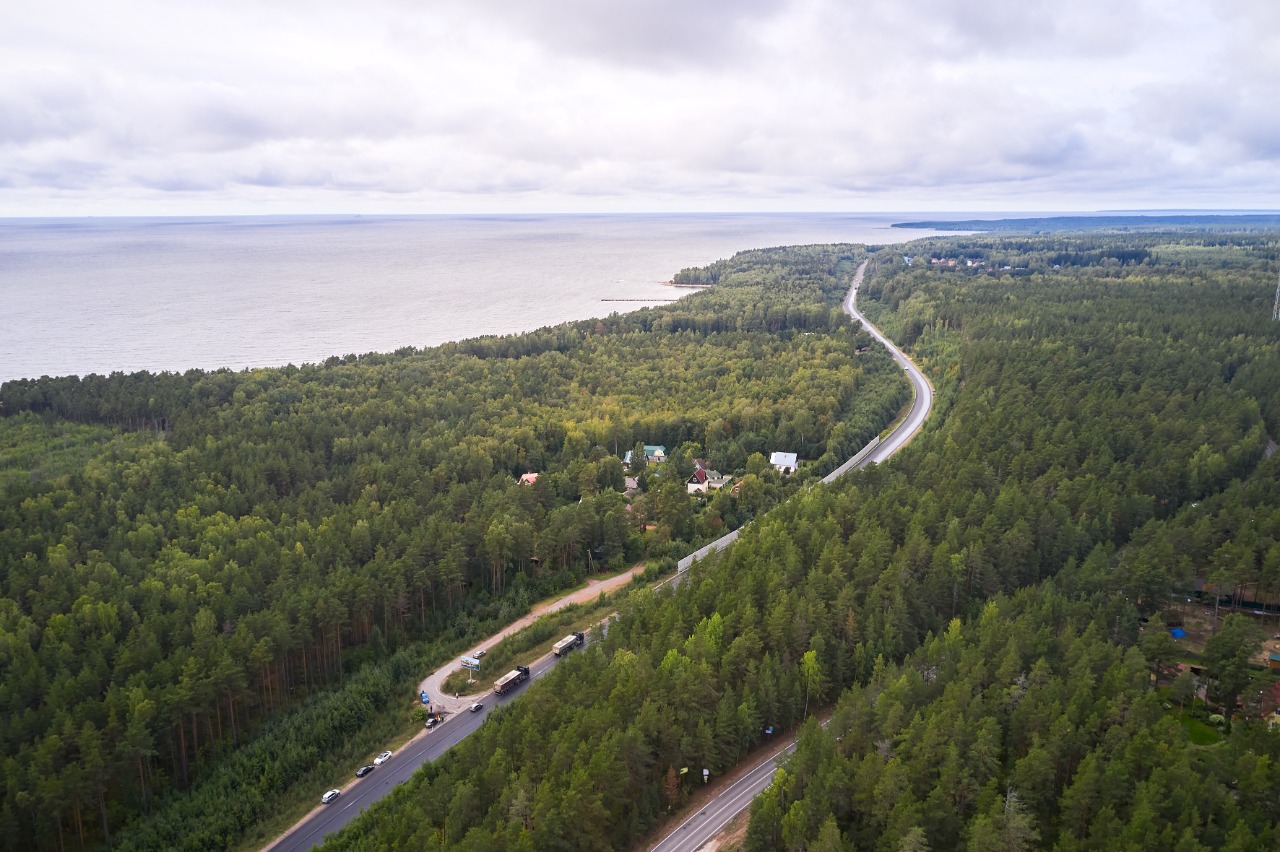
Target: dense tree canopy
[
  {"x": 974, "y": 605},
  {"x": 183, "y": 555},
  {"x": 179, "y": 551}
]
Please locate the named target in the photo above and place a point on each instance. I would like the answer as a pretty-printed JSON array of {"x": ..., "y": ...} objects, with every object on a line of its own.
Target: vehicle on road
[
  {"x": 510, "y": 680},
  {"x": 477, "y": 707},
  {"x": 432, "y": 722},
  {"x": 364, "y": 770},
  {"x": 330, "y": 796},
  {"x": 568, "y": 643},
  {"x": 479, "y": 654},
  {"x": 382, "y": 758}
]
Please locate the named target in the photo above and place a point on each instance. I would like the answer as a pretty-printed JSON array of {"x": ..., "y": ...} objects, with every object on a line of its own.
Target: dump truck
[
  {"x": 511, "y": 679},
  {"x": 568, "y": 643}
]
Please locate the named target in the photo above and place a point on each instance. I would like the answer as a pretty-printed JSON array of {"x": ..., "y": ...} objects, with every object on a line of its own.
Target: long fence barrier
[{"x": 853, "y": 462}]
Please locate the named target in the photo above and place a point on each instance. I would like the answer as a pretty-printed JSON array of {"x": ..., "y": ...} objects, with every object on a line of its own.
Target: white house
[{"x": 784, "y": 463}]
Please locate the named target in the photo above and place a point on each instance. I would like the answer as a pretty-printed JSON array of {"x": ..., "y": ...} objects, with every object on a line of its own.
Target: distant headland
[{"x": 1126, "y": 222}]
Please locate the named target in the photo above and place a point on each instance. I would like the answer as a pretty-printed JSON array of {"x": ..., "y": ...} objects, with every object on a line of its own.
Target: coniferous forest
[
  {"x": 212, "y": 580},
  {"x": 983, "y": 619},
  {"x": 986, "y": 613}
]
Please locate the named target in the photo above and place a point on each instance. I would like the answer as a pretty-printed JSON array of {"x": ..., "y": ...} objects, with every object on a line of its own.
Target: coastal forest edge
[{"x": 202, "y": 568}]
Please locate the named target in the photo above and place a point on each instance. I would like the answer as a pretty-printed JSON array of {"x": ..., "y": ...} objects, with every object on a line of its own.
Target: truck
[
  {"x": 568, "y": 643},
  {"x": 511, "y": 679}
]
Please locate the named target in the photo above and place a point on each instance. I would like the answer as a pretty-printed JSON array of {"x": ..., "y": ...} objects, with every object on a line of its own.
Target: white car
[
  {"x": 477, "y": 707},
  {"x": 382, "y": 758},
  {"x": 330, "y": 796}
]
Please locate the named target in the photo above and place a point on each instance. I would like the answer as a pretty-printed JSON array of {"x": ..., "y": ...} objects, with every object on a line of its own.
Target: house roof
[
  {"x": 528, "y": 478},
  {"x": 783, "y": 459},
  {"x": 650, "y": 450}
]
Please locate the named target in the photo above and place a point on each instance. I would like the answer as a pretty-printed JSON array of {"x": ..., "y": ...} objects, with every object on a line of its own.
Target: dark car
[{"x": 364, "y": 770}]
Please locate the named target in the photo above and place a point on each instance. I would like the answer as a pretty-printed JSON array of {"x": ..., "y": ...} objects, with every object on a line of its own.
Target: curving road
[
  {"x": 876, "y": 451},
  {"x": 696, "y": 831},
  {"x": 362, "y": 793},
  {"x": 923, "y": 404},
  {"x": 433, "y": 684}
]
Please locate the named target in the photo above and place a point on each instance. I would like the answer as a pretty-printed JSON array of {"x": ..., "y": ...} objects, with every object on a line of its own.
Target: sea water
[{"x": 98, "y": 295}]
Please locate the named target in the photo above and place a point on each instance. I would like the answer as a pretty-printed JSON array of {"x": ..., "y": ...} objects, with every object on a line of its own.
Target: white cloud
[{"x": 577, "y": 105}]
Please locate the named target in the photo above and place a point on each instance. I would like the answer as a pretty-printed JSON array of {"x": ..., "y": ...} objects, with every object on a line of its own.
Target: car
[
  {"x": 432, "y": 722},
  {"x": 382, "y": 758},
  {"x": 477, "y": 707},
  {"x": 480, "y": 654},
  {"x": 330, "y": 796},
  {"x": 364, "y": 770}
]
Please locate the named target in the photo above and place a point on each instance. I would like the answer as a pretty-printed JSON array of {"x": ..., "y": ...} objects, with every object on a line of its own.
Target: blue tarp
[{"x": 1178, "y": 633}]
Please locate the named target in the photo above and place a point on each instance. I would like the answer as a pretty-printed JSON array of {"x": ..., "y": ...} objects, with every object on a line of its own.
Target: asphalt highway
[
  {"x": 361, "y": 793},
  {"x": 923, "y": 404},
  {"x": 694, "y": 833},
  {"x": 875, "y": 452}
]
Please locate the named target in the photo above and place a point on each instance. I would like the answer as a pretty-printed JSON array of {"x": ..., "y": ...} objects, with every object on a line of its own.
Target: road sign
[{"x": 471, "y": 663}]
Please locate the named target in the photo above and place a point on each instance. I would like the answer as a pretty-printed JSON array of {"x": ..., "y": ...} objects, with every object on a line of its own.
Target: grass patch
[
  {"x": 527, "y": 645},
  {"x": 1199, "y": 732}
]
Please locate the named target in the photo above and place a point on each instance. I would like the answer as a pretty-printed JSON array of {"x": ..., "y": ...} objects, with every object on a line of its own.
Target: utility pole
[{"x": 1275, "y": 311}]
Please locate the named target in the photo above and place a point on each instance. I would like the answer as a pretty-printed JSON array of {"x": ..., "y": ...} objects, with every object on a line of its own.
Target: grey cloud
[
  {"x": 750, "y": 100},
  {"x": 60, "y": 174},
  {"x": 641, "y": 32},
  {"x": 42, "y": 103}
]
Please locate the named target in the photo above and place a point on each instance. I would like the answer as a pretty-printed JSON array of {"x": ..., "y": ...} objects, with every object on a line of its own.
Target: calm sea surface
[{"x": 82, "y": 296}]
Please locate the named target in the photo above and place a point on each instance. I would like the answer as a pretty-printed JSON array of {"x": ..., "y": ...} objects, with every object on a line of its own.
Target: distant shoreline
[{"x": 1253, "y": 221}]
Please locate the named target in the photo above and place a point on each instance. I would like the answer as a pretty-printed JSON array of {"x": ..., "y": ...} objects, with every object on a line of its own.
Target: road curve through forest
[
  {"x": 874, "y": 452},
  {"x": 358, "y": 795},
  {"x": 702, "y": 827}
]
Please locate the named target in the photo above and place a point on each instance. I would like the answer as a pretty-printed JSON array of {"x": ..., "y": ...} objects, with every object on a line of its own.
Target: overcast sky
[{"x": 435, "y": 106}]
